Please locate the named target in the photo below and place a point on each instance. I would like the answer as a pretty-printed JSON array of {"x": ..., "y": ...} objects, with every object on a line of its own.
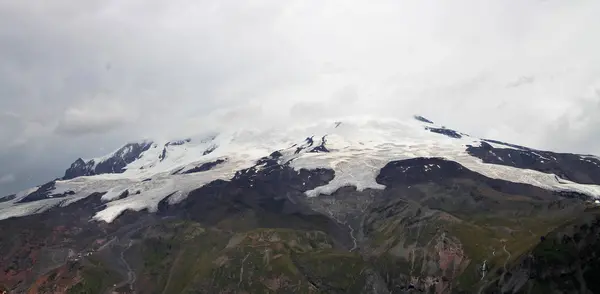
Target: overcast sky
[{"x": 80, "y": 78}]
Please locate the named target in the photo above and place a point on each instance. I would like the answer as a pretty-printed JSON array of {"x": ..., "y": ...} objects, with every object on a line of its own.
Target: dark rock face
[
  {"x": 572, "y": 167},
  {"x": 43, "y": 192},
  {"x": 123, "y": 195},
  {"x": 508, "y": 144},
  {"x": 163, "y": 154},
  {"x": 205, "y": 166},
  {"x": 274, "y": 192},
  {"x": 177, "y": 171},
  {"x": 308, "y": 142},
  {"x": 7, "y": 198},
  {"x": 209, "y": 150},
  {"x": 321, "y": 147},
  {"x": 420, "y": 118},
  {"x": 446, "y": 132},
  {"x": 440, "y": 171},
  {"x": 572, "y": 195},
  {"x": 115, "y": 164},
  {"x": 124, "y": 156},
  {"x": 269, "y": 161},
  {"x": 273, "y": 181},
  {"x": 419, "y": 170},
  {"x": 179, "y": 142},
  {"x": 79, "y": 168}
]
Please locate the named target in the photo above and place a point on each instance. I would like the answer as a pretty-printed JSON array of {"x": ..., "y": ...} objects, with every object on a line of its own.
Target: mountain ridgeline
[
  {"x": 113, "y": 164},
  {"x": 332, "y": 213}
]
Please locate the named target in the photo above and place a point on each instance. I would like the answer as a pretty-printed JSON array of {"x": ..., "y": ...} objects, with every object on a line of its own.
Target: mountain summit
[{"x": 401, "y": 206}]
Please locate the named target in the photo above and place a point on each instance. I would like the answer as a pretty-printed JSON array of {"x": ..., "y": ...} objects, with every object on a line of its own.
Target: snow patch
[{"x": 113, "y": 193}]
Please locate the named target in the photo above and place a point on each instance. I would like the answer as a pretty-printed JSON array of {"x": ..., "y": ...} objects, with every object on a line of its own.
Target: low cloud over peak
[
  {"x": 100, "y": 73},
  {"x": 6, "y": 179},
  {"x": 94, "y": 116}
]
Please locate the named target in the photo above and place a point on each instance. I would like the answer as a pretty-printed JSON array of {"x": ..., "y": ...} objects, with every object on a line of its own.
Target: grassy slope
[
  {"x": 405, "y": 243},
  {"x": 184, "y": 257},
  {"x": 408, "y": 240}
]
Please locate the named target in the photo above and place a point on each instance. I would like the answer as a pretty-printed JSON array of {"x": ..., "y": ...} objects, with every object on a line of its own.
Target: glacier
[{"x": 357, "y": 149}]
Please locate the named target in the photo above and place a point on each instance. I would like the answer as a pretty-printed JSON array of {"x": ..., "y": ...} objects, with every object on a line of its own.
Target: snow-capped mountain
[
  {"x": 355, "y": 149},
  {"x": 394, "y": 206},
  {"x": 113, "y": 163}
]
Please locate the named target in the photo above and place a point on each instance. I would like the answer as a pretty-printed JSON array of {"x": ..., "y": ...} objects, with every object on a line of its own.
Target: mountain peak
[
  {"x": 356, "y": 151},
  {"x": 114, "y": 162}
]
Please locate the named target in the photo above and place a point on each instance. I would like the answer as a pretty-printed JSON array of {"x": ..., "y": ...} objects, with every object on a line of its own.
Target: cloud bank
[{"x": 80, "y": 78}]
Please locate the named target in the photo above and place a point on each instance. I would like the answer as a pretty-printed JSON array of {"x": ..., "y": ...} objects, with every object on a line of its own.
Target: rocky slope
[{"x": 335, "y": 212}]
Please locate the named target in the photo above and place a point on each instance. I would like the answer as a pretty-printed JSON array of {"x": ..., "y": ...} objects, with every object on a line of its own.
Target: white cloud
[
  {"x": 7, "y": 179},
  {"x": 520, "y": 71},
  {"x": 95, "y": 116}
]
